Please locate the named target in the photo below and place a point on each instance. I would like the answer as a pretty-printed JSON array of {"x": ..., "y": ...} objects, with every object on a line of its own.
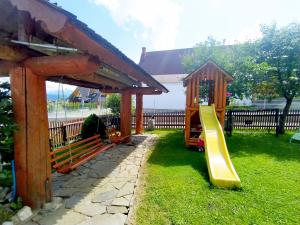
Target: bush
[
  {"x": 7, "y": 125},
  {"x": 93, "y": 125},
  {"x": 113, "y": 102}
]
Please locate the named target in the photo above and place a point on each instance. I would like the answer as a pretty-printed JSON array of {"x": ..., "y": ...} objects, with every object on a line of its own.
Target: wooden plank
[
  {"x": 125, "y": 114},
  {"x": 31, "y": 139},
  {"x": 18, "y": 90},
  {"x": 86, "y": 158},
  {"x": 5, "y": 67},
  {"x": 63, "y": 65},
  {"x": 73, "y": 157},
  {"x": 44, "y": 142},
  {"x": 144, "y": 91},
  {"x": 197, "y": 89},
  {"x": 139, "y": 114},
  {"x": 193, "y": 92},
  {"x": 13, "y": 53},
  {"x": 60, "y": 154},
  {"x": 75, "y": 144}
]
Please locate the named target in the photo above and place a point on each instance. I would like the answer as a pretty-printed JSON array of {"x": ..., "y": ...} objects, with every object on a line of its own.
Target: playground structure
[
  {"x": 205, "y": 115},
  {"x": 42, "y": 42}
]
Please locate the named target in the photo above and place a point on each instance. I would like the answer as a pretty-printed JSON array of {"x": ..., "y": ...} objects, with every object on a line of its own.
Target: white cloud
[
  {"x": 217, "y": 4},
  {"x": 159, "y": 18},
  {"x": 52, "y": 87},
  {"x": 250, "y": 33}
]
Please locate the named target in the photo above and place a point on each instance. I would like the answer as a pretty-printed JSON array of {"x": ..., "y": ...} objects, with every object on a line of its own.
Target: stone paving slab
[{"x": 101, "y": 191}]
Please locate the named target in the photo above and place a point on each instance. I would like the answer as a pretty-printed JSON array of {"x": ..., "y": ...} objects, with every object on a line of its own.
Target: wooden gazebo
[
  {"x": 206, "y": 85},
  {"x": 40, "y": 41}
]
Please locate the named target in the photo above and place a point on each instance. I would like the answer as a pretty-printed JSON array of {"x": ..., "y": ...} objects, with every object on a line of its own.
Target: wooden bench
[{"x": 69, "y": 157}]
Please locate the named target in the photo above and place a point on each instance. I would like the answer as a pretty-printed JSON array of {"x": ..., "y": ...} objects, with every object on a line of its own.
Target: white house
[{"x": 166, "y": 67}]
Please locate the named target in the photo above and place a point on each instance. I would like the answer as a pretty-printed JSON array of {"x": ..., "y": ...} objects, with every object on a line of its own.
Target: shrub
[
  {"x": 7, "y": 125},
  {"x": 93, "y": 125},
  {"x": 113, "y": 102}
]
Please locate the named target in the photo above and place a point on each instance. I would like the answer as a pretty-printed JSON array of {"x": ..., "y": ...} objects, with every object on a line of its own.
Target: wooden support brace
[
  {"x": 139, "y": 126},
  {"x": 62, "y": 65},
  {"x": 31, "y": 141},
  {"x": 126, "y": 114}
]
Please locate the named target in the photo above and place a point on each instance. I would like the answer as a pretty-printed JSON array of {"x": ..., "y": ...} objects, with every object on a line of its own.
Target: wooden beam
[
  {"x": 139, "y": 124},
  {"x": 31, "y": 141},
  {"x": 5, "y": 67},
  {"x": 95, "y": 78},
  {"x": 83, "y": 83},
  {"x": 126, "y": 114},
  {"x": 115, "y": 75},
  {"x": 137, "y": 90},
  {"x": 144, "y": 91},
  {"x": 62, "y": 65},
  {"x": 13, "y": 53}
]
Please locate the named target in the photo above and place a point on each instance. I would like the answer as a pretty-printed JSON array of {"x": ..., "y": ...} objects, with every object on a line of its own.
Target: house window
[{"x": 206, "y": 92}]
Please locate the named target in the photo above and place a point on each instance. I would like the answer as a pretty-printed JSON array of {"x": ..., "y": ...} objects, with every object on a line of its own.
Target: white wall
[{"x": 175, "y": 99}]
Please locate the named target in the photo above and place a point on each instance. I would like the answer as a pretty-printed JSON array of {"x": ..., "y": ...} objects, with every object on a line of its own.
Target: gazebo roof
[
  {"x": 212, "y": 63},
  {"x": 37, "y": 28}
]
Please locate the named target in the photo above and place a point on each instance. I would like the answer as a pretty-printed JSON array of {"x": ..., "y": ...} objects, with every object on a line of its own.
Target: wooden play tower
[{"x": 207, "y": 85}]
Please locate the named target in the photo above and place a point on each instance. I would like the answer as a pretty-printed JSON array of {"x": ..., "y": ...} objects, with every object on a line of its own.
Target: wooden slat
[
  {"x": 73, "y": 150},
  {"x": 85, "y": 159},
  {"x": 73, "y": 157},
  {"x": 75, "y": 144}
]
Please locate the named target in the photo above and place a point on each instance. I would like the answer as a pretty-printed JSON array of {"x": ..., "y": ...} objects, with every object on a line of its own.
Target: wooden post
[
  {"x": 126, "y": 114},
  {"x": 31, "y": 141},
  {"x": 139, "y": 126}
]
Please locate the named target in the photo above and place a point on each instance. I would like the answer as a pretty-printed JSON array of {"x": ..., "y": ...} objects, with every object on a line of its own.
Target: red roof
[{"x": 164, "y": 62}]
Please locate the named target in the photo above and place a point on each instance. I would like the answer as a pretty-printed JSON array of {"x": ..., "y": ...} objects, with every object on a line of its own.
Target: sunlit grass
[{"x": 177, "y": 188}]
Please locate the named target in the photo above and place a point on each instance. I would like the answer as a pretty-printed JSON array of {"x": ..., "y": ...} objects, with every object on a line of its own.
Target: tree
[
  {"x": 268, "y": 67},
  {"x": 113, "y": 101},
  {"x": 237, "y": 60},
  {"x": 279, "y": 49},
  {"x": 7, "y": 125}
]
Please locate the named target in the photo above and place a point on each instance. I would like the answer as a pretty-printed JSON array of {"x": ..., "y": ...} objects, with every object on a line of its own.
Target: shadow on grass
[
  {"x": 248, "y": 144},
  {"x": 170, "y": 151}
]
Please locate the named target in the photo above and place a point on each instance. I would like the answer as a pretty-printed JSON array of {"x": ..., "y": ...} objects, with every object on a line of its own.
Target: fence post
[
  {"x": 64, "y": 133},
  {"x": 230, "y": 123},
  {"x": 277, "y": 121}
]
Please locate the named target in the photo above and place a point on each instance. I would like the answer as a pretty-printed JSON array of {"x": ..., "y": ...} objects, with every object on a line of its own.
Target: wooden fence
[
  {"x": 261, "y": 119},
  {"x": 62, "y": 132},
  {"x": 165, "y": 120}
]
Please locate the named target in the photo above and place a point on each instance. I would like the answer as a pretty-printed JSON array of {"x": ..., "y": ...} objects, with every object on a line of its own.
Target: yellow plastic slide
[{"x": 221, "y": 171}]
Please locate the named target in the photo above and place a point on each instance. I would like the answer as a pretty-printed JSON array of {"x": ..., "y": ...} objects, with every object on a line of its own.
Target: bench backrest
[{"x": 68, "y": 154}]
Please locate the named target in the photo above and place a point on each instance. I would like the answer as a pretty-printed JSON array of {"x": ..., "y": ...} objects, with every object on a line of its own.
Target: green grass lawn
[{"x": 177, "y": 188}]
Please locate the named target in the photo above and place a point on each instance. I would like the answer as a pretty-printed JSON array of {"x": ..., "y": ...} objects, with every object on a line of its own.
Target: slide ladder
[{"x": 221, "y": 170}]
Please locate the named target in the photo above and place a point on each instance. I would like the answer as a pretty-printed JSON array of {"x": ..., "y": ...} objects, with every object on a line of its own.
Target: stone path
[{"x": 100, "y": 192}]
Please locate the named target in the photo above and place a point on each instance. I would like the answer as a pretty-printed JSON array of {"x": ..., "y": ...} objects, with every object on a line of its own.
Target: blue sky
[{"x": 168, "y": 24}]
